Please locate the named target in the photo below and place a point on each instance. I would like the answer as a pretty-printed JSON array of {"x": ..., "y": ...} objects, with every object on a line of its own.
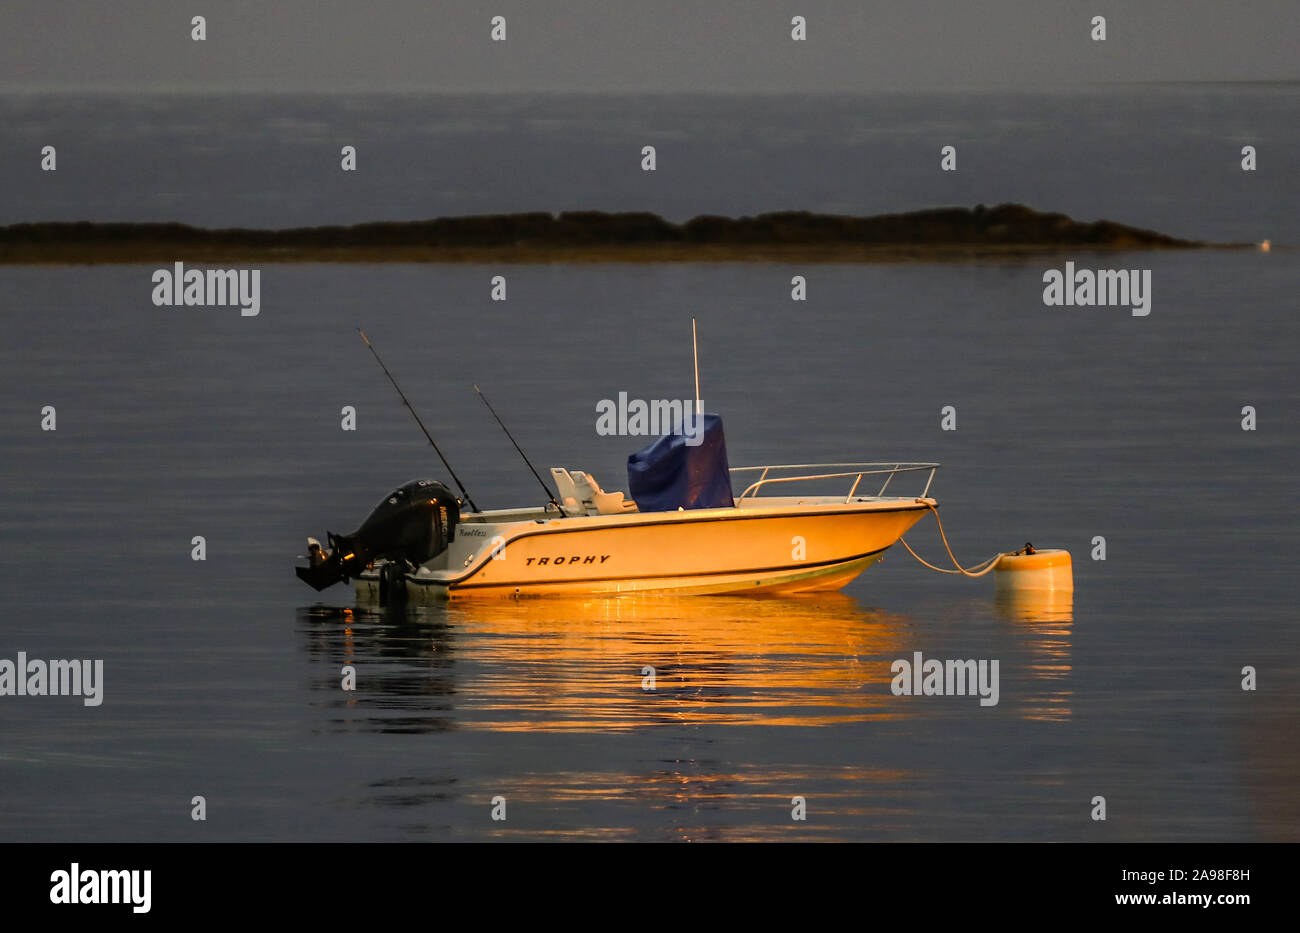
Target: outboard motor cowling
[{"x": 414, "y": 524}]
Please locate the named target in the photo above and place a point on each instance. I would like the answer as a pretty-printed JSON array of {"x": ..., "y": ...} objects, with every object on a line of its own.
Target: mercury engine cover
[{"x": 413, "y": 524}]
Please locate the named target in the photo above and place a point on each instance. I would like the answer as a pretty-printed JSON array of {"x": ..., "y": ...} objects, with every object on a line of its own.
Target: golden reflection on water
[
  {"x": 588, "y": 664},
  {"x": 730, "y": 803},
  {"x": 1044, "y": 619},
  {"x": 600, "y": 664}
]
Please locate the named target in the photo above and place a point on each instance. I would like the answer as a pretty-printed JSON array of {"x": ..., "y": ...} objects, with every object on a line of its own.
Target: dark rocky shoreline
[{"x": 593, "y": 236}]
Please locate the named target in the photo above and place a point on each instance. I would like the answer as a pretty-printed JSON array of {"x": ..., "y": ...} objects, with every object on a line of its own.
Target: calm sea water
[{"x": 222, "y": 676}]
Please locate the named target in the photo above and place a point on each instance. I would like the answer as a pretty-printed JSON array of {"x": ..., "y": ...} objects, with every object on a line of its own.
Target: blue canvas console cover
[{"x": 685, "y": 470}]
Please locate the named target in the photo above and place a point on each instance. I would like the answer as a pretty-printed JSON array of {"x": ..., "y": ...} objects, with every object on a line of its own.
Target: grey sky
[{"x": 612, "y": 45}]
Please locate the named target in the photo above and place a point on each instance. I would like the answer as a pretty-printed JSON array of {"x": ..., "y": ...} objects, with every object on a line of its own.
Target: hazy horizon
[
  {"x": 991, "y": 88},
  {"x": 723, "y": 46}
]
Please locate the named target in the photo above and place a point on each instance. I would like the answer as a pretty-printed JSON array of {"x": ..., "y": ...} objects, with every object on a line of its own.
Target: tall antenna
[{"x": 695, "y": 347}]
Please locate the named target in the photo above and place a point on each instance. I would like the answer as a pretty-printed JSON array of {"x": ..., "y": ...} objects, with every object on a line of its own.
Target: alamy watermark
[
  {"x": 35, "y": 677},
  {"x": 1118, "y": 288},
  {"x": 215, "y": 288},
  {"x": 80, "y": 885},
  {"x": 654, "y": 418},
  {"x": 931, "y": 677}
]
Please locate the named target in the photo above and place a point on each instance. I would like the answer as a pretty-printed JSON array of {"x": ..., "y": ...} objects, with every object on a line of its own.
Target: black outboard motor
[{"x": 413, "y": 524}]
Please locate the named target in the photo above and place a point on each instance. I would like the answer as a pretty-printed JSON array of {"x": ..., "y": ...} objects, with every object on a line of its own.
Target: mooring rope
[{"x": 980, "y": 569}]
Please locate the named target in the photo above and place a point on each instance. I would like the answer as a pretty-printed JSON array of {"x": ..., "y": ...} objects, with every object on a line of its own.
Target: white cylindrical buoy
[{"x": 1046, "y": 569}]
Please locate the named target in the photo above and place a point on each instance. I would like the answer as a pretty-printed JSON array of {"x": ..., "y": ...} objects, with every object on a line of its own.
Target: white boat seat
[
  {"x": 568, "y": 491},
  {"x": 612, "y": 503},
  {"x": 580, "y": 494}
]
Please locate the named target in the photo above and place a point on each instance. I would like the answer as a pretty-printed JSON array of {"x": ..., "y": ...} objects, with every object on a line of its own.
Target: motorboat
[{"x": 679, "y": 529}]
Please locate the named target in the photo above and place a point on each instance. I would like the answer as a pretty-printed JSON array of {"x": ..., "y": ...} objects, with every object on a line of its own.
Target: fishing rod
[
  {"x": 550, "y": 495},
  {"x": 459, "y": 484}
]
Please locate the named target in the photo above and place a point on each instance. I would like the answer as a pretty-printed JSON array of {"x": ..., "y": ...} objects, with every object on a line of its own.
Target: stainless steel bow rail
[{"x": 841, "y": 471}]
